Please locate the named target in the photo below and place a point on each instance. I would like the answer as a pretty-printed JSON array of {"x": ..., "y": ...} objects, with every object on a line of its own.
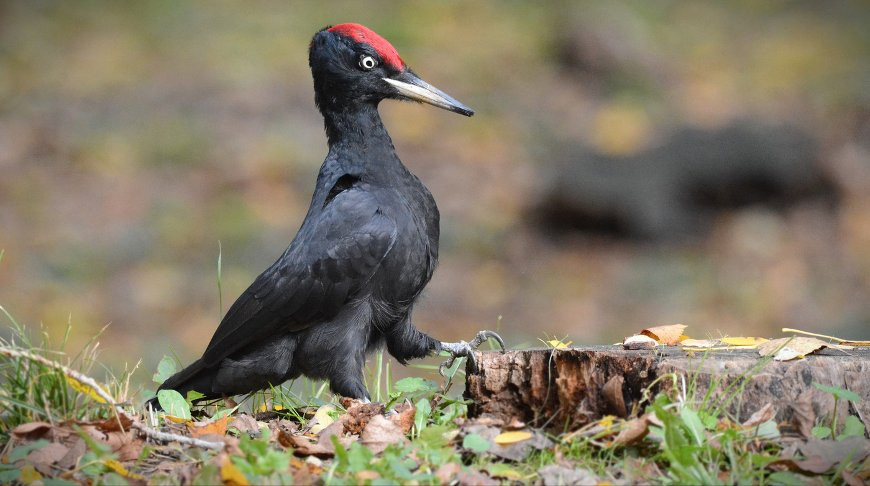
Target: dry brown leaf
[
  {"x": 612, "y": 393},
  {"x": 380, "y": 433},
  {"x": 786, "y": 349},
  {"x": 803, "y": 415},
  {"x": 639, "y": 341},
  {"x": 447, "y": 472},
  {"x": 245, "y": 423},
  {"x": 216, "y": 427},
  {"x": 404, "y": 416},
  {"x": 115, "y": 423},
  {"x": 32, "y": 430},
  {"x": 742, "y": 341},
  {"x": 44, "y": 457},
  {"x": 632, "y": 431},
  {"x": 668, "y": 335},
  {"x": 762, "y": 415}
]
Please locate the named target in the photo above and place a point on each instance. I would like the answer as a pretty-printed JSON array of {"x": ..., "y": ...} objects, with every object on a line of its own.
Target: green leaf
[
  {"x": 21, "y": 452},
  {"x": 174, "y": 404},
  {"x": 838, "y": 392},
  {"x": 8, "y": 476},
  {"x": 693, "y": 423},
  {"x": 414, "y": 384},
  {"x": 821, "y": 432},
  {"x": 57, "y": 482},
  {"x": 786, "y": 478},
  {"x": 359, "y": 457},
  {"x": 165, "y": 369},
  {"x": 421, "y": 416},
  {"x": 767, "y": 430},
  {"x": 852, "y": 427},
  {"x": 476, "y": 443},
  {"x": 194, "y": 395}
]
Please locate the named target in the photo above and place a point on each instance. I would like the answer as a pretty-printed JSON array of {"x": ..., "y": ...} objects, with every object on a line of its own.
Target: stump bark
[{"x": 569, "y": 388}]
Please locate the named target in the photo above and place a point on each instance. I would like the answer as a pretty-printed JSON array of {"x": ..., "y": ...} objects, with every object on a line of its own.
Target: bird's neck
[{"x": 357, "y": 127}]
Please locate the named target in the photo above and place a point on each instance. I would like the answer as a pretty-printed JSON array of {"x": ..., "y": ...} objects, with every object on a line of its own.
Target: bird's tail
[{"x": 196, "y": 377}]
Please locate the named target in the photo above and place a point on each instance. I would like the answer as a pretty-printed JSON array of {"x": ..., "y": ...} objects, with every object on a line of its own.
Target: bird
[{"x": 347, "y": 283}]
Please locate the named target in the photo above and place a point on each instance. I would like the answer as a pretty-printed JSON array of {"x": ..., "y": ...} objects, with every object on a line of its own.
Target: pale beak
[{"x": 409, "y": 86}]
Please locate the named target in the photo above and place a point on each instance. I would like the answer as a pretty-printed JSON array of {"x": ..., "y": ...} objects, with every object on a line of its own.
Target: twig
[
  {"x": 833, "y": 338},
  {"x": 14, "y": 353},
  {"x": 103, "y": 394}
]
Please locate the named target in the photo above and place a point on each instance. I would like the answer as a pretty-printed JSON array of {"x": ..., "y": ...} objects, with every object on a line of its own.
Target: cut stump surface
[{"x": 572, "y": 387}]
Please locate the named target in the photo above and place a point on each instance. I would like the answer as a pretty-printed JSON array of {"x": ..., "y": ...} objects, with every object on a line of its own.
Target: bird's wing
[{"x": 331, "y": 259}]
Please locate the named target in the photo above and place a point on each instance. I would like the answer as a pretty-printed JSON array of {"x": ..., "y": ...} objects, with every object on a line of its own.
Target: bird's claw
[{"x": 464, "y": 349}]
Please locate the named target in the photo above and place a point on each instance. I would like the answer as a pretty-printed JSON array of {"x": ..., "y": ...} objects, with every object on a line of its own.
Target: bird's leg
[{"x": 464, "y": 349}]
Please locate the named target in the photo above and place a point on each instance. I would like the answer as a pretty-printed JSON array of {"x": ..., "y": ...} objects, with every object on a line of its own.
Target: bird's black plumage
[{"x": 366, "y": 249}]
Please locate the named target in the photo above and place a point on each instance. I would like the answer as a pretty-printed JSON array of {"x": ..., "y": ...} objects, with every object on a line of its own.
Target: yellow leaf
[
  {"x": 322, "y": 418},
  {"x": 699, "y": 343},
  {"x": 30, "y": 475},
  {"x": 742, "y": 341},
  {"x": 232, "y": 475},
  {"x": 177, "y": 420},
  {"x": 121, "y": 470},
  {"x": 84, "y": 389},
  {"x": 507, "y": 438}
]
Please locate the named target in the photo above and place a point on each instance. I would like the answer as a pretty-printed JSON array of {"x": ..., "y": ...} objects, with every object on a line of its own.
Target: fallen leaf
[
  {"x": 121, "y": 470},
  {"x": 668, "y": 335},
  {"x": 855, "y": 449},
  {"x": 852, "y": 480},
  {"x": 216, "y": 427},
  {"x": 742, "y": 341},
  {"x": 32, "y": 430},
  {"x": 367, "y": 475},
  {"x": 44, "y": 457},
  {"x": 762, "y": 415},
  {"x": 29, "y": 475},
  {"x": 699, "y": 343},
  {"x": 507, "y": 438},
  {"x": 115, "y": 423},
  {"x": 245, "y": 423},
  {"x": 500, "y": 470},
  {"x": 612, "y": 394},
  {"x": 447, "y": 472},
  {"x": 569, "y": 474},
  {"x": 785, "y": 349},
  {"x": 231, "y": 474},
  {"x": 803, "y": 415},
  {"x": 84, "y": 389},
  {"x": 632, "y": 431},
  {"x": 322, "y": 419},
  {"x": 380, "y": 433},
  {"x": 639, "y": 341},
  {"x": 557, "y": 343},
  {"x": 404, "y": 416}
]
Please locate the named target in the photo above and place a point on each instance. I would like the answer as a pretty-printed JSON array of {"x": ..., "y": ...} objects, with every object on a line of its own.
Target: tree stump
[{"x": 569, "y": 388}]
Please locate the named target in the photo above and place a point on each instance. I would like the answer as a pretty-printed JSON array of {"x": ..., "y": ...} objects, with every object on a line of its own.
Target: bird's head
[{"x": 353, "y": 65}]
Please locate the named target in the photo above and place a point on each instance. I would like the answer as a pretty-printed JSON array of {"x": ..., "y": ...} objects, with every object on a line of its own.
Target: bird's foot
[{"x": 464, "y": 349}]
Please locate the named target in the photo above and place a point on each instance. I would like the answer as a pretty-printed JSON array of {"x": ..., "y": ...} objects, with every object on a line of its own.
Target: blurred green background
[{"x": 136, "y": 136}]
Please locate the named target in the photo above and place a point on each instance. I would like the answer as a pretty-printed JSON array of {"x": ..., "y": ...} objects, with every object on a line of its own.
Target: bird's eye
[{"x": 367, "y": 62}]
